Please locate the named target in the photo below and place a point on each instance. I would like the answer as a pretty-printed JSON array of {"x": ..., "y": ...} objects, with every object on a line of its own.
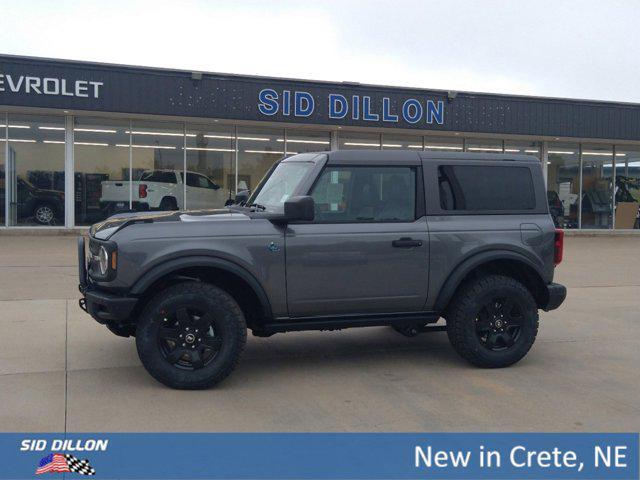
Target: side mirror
[
  {"x": 241, "y": 197},
  {"x": 299, "y": 208}
]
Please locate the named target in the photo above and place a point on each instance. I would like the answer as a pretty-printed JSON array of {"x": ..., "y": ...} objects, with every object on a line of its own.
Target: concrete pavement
[{"x": 61, "y": 371}]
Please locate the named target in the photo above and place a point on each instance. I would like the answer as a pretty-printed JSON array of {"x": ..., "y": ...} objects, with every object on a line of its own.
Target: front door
[{"x": 367, "y": 249}]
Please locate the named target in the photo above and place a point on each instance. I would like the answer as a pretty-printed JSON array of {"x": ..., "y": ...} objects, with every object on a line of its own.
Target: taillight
[
  {"x": 142, "y": 190},
  {"x": 558, "y": 246}
]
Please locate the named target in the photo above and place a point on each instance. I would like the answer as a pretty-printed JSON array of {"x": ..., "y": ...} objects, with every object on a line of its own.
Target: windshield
[{"x": 280, "y": 186}]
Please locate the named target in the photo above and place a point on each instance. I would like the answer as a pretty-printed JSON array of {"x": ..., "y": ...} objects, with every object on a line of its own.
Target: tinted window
[
  {"x": 194, "y": 180},
  {"x": 477, "y": 188},
  {"x": 158, "y": 176},
  {"x": 366, "y": 194}
]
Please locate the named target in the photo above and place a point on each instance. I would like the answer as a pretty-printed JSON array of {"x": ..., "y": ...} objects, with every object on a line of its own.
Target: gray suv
[{"x": 328, "y": 241}]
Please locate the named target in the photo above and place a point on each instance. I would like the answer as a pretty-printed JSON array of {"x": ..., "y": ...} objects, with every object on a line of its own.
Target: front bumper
[
  {"x": 556, "y": 294},
  {"x": 110, "y": 309},
  {"x": 107, "y": 308}
]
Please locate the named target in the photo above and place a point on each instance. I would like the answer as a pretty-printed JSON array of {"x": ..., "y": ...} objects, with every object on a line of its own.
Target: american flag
[
  {"x": 60, "y": 463},
  {"x": 53, "y": 463}
]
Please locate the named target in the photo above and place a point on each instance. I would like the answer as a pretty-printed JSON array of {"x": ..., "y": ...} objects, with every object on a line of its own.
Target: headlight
[{"x": 103, "y": 260}]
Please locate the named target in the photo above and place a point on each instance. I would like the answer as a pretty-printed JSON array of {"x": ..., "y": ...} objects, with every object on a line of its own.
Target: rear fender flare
[{"x": 464, "y": 268}]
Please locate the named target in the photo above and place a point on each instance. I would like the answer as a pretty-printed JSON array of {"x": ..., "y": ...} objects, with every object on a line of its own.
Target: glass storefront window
[
  {"x": 258, "y": 150},
  {"x": 523, "y": 148},
  {"x": 627, "y": 187},
  {"x": 597, "y": 186},
  {"x": 210, "y": 166},
  {"x": 393, "y": 142},
  {"x": 34, "y": 176},
  {"x": 301, "y": 141},
  {"x": 101, "y": 177},
  {"x": 158, "y": 162},
  {"x": 563, "y": 183},
  {"x": 481, "y": 145},
  {"x": 358, "y": 141},
  {"x": 442, "y": 144},
  {"x": 3, "y": 147}
]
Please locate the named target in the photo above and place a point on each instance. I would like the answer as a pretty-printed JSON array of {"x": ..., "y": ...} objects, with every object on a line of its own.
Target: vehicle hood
[
  {"x": 105, "y": 229},
  {"x": 49, "y": 193}
]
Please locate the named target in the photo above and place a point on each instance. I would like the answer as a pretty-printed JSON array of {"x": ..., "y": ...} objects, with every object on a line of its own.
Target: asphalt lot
[{"x": 61, "y": 371}]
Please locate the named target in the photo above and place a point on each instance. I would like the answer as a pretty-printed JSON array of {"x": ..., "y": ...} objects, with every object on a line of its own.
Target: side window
[
  {"x": 198, "y": 181},
  {"x": 365, "y": 194},
  {"x": 485, "y": 188}
]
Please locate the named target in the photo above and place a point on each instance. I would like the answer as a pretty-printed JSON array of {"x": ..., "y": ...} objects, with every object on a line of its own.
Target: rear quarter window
[{"x": 478, "y": 188}]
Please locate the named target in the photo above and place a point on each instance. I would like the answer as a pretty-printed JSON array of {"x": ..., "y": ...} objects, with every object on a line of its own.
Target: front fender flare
[{"x": 173, "y": 265}]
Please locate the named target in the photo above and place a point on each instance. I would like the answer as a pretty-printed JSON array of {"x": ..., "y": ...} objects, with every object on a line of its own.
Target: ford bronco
[{"x": 328, "y": 241}]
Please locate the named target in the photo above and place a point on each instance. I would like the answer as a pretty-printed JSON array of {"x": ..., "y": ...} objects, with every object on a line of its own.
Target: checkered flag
[{"x": 79, "y": 466}]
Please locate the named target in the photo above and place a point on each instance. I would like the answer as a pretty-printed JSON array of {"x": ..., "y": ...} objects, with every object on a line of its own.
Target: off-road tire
[
  {"x": 229, "y": 323},
  {"x": 462, "y": 314}
]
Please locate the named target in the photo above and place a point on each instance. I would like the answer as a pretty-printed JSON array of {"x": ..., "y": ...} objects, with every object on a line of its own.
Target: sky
[{"x": 574, "y": 49}]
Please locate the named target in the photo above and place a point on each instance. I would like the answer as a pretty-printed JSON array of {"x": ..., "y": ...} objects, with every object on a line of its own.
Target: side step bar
[{"x": 348, "y": 321}]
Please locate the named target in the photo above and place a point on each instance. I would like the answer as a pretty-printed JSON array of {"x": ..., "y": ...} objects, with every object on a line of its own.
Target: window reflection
[
  {"x": 397, "y": 142},
  {"x": 157, "y": 149},
  {"x": 358, "y": 141},
  {"x": 442, "y": 144},
  {"x": 302, "y": 141},
  {"x": 523, "y": 148},
  {"x": 258, "y": 150},
  {"x": 627, "y": 191},
  {"x": 35, "y": 170},
  {"x": 481, "y": 145},
  {"x": 101, "y": 177},
  {"x": 563, "y": 183},
  {"x": 210, "y": 166},
  {"x": 597, "y": 186}
]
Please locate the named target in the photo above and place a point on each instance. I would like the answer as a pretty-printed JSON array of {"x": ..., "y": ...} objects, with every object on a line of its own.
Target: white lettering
[
  {"x": 65, "y": 92},
  {"x": 604, "y": 456},
  {"x": 96, "y": 88},
  {"x": 33, "y": 445},
  {"x": 12, "y": 86},
  {"x": 33, "y": 83},
  {"x": 81, "y": 89},
  {"x": 51, "y": 86},
  {"x": 441, "y": 459}
]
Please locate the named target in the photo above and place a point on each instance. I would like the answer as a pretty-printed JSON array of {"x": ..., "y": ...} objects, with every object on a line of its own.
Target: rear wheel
[
  {"x": 168, "y": 203},
  {"x": 492, "y": 321},
  {"x": 191, "y": 335}
]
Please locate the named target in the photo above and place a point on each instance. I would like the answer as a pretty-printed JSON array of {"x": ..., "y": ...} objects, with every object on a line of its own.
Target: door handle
[{"x": 406, "y": 242}]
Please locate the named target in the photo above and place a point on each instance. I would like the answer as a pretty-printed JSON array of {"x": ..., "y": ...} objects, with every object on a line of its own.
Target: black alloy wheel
[
  {"x": 188, "y": 338},
  {"x": 499, "y": 322}
]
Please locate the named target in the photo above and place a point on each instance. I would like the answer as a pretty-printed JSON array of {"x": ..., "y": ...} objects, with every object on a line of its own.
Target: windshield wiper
[{"x": 257, "y": 206}]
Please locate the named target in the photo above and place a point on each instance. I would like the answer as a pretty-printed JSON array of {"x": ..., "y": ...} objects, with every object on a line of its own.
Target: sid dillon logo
[{"x": 59, "y": 460}]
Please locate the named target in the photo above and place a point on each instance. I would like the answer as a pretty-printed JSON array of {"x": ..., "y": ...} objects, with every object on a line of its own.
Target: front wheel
[
  {"x": 191, "y": 335},
  {"x": 492, "y": 321}
]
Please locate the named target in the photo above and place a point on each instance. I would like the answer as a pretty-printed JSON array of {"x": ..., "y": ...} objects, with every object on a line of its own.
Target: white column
[
  {"x": 69, "y": 175},
  {"x": 334, "y": 140}
]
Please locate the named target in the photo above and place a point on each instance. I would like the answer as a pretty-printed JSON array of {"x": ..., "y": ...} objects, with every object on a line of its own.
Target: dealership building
[{"x": 76, "y": 137}]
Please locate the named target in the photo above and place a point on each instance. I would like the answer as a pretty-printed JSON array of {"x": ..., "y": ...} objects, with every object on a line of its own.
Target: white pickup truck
[{"x": 162, "y": 190}]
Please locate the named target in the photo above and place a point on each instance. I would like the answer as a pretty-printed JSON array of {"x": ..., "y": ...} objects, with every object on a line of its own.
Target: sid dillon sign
[{"x": 352, "y": 107}]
